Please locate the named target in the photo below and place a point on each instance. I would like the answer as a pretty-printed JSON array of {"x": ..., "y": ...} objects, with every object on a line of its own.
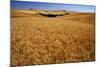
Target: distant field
[{"x": 36, "y": 39}]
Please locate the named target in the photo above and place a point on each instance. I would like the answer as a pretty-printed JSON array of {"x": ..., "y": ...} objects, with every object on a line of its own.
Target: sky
[
  {"x": 51, "y": 6},
  {"x": 84, "y": 2}
]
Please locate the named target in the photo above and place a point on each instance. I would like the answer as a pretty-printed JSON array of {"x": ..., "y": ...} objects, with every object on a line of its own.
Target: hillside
[{"x": 40, "y": 39}]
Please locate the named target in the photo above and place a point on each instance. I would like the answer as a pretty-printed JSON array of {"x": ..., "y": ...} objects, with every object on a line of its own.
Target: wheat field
[{"x": 36, "y": 39}]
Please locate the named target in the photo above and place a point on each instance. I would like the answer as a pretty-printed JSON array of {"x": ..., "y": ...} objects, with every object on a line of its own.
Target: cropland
[{"x": 50, "y": 37}]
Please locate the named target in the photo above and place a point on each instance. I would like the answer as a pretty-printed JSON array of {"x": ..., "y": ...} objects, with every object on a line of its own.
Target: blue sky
[{"x": 51, "y": 6}]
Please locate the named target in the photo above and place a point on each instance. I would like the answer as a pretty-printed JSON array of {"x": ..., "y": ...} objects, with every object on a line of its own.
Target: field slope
[{"x": 36, "y": 39}]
